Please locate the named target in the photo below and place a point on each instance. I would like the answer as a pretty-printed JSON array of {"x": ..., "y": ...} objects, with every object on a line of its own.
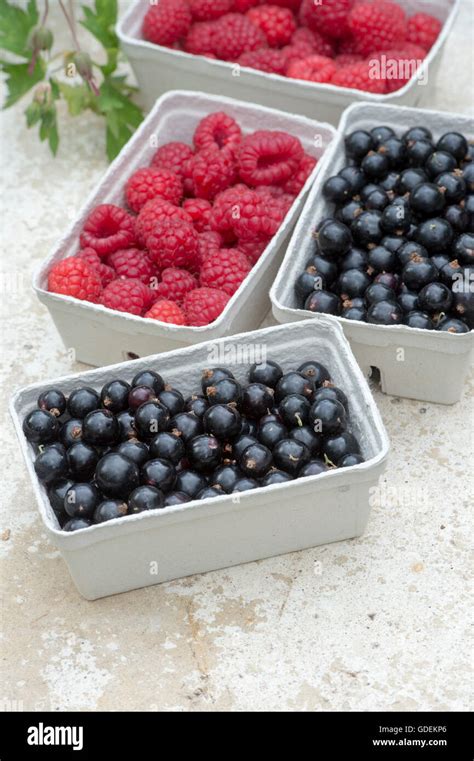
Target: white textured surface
[{"x": 375, "y": 623}]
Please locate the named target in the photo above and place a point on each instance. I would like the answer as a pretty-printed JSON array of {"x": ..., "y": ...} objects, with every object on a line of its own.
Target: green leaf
[
  {"x": 49, "y": 127},
  {"x": 117, "y": 134},
  {"x": 111, "y": 98},
  {"x": 33, "y": 113},
  {"x": 77, "y": 97},
  {"x": 16, "y": 25},
  {"x": 19, "y": 80},
  {"x": 101, "y": 23}
]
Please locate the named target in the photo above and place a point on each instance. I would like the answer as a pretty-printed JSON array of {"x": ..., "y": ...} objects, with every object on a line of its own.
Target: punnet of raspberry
[
  {"x": 173, "y": 243},
  {"x": 175, "y": 284},
  {"x": 154, "y": 211},
  {"x": 225, "y": 269},
  {"x": 167, "y": 311},
  {"x": 316, "y": 68},
  {"x": 213, "y": 171},
  {"x": 200, "y": 212},
  {"x": 209, "y": 10},
  {"x": 108, "y": 228},
  {"x": 268, "y": 157},
  {"x": 235, "y": 34},
  {"x": 150, "y": 182},
  {"x": 328, "y": 17},
  {"x": 376, "y": 26},
  {"x": 127, "y": 295},
  {"x": 167, "y": 22},
  {"x": 423, "y": 29},
  {"x": 216, "y": 130},
  {"x": 277, "y": 24},
  {"x": 75, "y": 277},
  {"x": 360, "y": 76},
  {"x": 204, "y": 305},
  {"x": 132, "y": 263},
  {"x": 174, "y": 157}
]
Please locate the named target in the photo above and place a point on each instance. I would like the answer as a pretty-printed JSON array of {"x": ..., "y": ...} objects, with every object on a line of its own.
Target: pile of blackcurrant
[
  {"x": 139, "y": 446},
  {"x": 399, "y": 248}
]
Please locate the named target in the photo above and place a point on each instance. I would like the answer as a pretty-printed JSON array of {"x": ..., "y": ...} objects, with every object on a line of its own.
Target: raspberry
[
  {"x": 148, "y": 182},
  {"x": 242, "y": 6},
  {"x": 200, "y": 211},
  {"x": 126, "y": 295},
  {"x": 208, "y": 10},
  {"x": 200, "y": 39},
  {"x": 400, "y": 65},
  {"x": 173, "y": 157},
  {"x": 295, "y": 184},
  {"x": 297, "y": 52},
  {"x": 270, "y": 191},
  {"x": 328, "y": 17},
  {"x": 75, "y": 277},
  {"x": 423, "y": 30},
  {"x": 107, "y": 229},
  {"x": 216, "y": 131},
  {"x": 258, "y": 217},
  {"x": 175, "y": 284},
  {"x": 204, "y": 305},
  {"x": 208, "y": 243},
  {"x": 167, "y": 311},
  {"x": 212, "y": 172},
  {"x": 311, "y": 37},
  {"x": 316, "y": 68},
  {"x": 268, "y": 158},
  {"x": 347, "y": 45},
  {"x": 132, "y": 263},
  {"x": 173, "y": 243},
  {"x": 293, "y": 5},
  {"x": 154, "y": 211},
  {"x": 107, "y": 274},
  {"x": 225, "y": 269},
  {"x": 226, "y": 210},
  {"x": 267, "y": 59},
  {"x": 166, "y": 22},
  {"x": 253, "y": 249},
  {"x": 277, "y": 24},
  {"x": 359, "y": 76},
  {"x": 376, "y": 26},
  {"x": 347, "y": 59},
  {"x": 235, "y": 34}
]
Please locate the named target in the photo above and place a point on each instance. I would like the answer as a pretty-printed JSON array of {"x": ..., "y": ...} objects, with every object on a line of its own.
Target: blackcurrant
[
  {"x": 114, "y": 395},
  {"x": 324, "y": 302},
  {"x": 367, "y": 228},
  {"x": 173, "y": 401},
  {"x": 385, "y": 313},
  {"x": 440, "y": 161},
  {"x": 226, "y": 476},
  {"x": 225, "y": 391},
  {"x": 140, "y": 395},
  {"x": 272, "y": 432},
  {"x": 81, "y": 500},
  {"x": 453, "y": 143},
  {"x": 257, "y": 400},
  {"x": 294, "y": 383},
  {"x": 109, "y": 509},
  {"x": 435, "y": 297},
  {"x": 82, "y": 460},
  {"x": 452, "y": 325},
  {"x": 317, "y": 373},
  {"x": 57, "y": 491},
  {"x": 137, "y": 451},
  {"x": 255, "y": 460},
  {"x": 355, "y": 259},
  {"x": 151, "y": 379},
  {"x": 204, "y": 453},
  {"x": 167, "y": 446},
  {"x": 435, "y": 235},
  {"x": 275, "y": 476},
  {"x": 82, "y": 401},
  {"x": 337, "y": 189},
  {"x": 334, "y": 239},
  {"x": 51, "y": 464},
  {"x": 151, "y": 418},
  {"x": 381, "y": 259},
  {"x": 197, "y": 404},
  {"x": 213, "y": 375},
  {"x": 145, "y": 498},
  {"x": 328, "y": 416},
  {"x": 379, "y": 292},
  {"x": 160, "y": 473},
  {"x": 313, "y": 468},
  {"x": 294, "y": 410},
  {"x": 100, "y": 428},
  {"x": 290, "y": 455},
  {"x": 53, "y": 401},
  {"x": 190, "y": 482},
  {"x": 410, "y": 178},
  {"x": 40, "y": 427},
  {"x": 418, "y": 273},
  {"x": 418, "y": 320},
  {"x": 375, "y": 165},
  {"x": 358, "y": 144},
  {"x": 126, "y": 423},
  {"x": 337, "y": 447},
  {"x": 116, "y": 475},
  {"x": 176, "y": 498},
  {"x": 268, "y": 373},
  {"x": 352, "y": 283},
  {"x": 427, "y": 199}
]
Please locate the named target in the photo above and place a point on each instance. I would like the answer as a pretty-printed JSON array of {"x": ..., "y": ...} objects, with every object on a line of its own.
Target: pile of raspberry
[
  {"x": 370, "y": 45},
  {"x": 195, "y": 222}
]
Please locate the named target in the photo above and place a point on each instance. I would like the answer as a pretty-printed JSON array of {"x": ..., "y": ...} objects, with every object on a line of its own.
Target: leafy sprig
[{"x": 71, "y": 76}]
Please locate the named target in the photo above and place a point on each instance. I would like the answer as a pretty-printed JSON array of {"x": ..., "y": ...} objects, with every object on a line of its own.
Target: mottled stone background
[{"x": 376, "y": 623}]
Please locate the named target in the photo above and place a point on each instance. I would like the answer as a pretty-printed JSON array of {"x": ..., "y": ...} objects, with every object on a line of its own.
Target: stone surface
[{"x": 376, "y": 623}]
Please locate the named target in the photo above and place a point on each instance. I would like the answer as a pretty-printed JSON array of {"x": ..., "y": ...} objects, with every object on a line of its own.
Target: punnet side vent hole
[
  {"x": 374, "y": 375},
  {"x": 131, "y": 355}
]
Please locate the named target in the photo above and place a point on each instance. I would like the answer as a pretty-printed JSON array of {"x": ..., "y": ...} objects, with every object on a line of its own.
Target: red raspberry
[
  {"x": 154, "y": 211},
  {"x": 293, "y": 5},
  {"x": 148, "y": 183},
  {"x": 295, "y": 184},
  {"x": 347, "y": 45},
  {"x": 75, "y": 277},
  {"x": 258, "y": 216},
  {"x": 423, "y": 30},
  {"x": 267, "y": 59},
  {"x": 166, "y": 22},
  {"x": 292, "y": 53},
  {"x": 175, "y": 284},
  {"x": 212, "y": 172},
  {"x": 173, "y": 243},
  {"x": 204, "y": 305},
  {"x": 359, "y": 76},
  {"x": 173, "y": 157},
  {"x": 107, "y": 274},
  {"x": 200, "y": 211},
  {"x": 269, "y": 158},
  {"x": 208, "y": 10},
  {"x": 200, "y": 39},
  {"x": 208, "y": 243},
  {"x": 235, "y": 34},
  {"x": 347, "y": 59},
  {"x": 90, "y": 256},
  {"x": 319, "y": 44},
  {"x": 226, "y": 210},
  {"x": 398, "y": 66},
  {"x": 376, "y": 26},
  {"x": 167, "y": 311},
  {"x": 225, "y": 269},
  {"x": 108, "y": 228},
  {"x": 126, "y": 295},
  {"x": 316, "y": 68},
  {"x": 328, "y": 17},
  {"x": 270, "y": 191},
  {"x": 253, "y": 249},
  {"x": 132, "y": 263},
  {"x": 242, "y": 6},
  {"x": 216, "y": 131},
  {"x": 277, "y": 24}
]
